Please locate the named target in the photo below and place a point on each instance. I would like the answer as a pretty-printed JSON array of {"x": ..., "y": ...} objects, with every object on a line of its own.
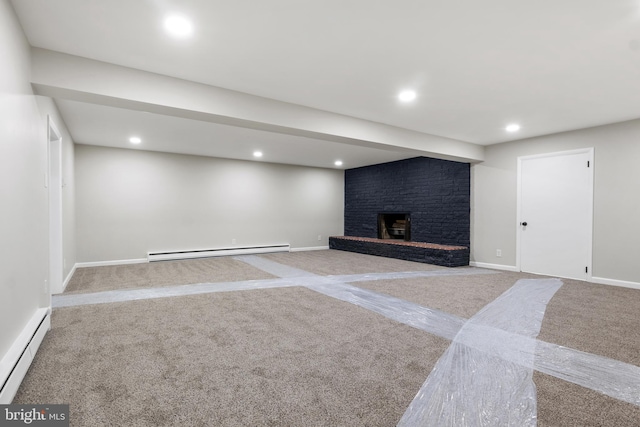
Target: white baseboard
[
  {"x": 494, "y": 266},
  {"x": 114, "y": 262},
  {"x": 613, "y": 282},
  {"x": 312, "y": 248},
  {"x": 598, "y": 280},
  {"x": 69, "y": 276},
  {"x": 14, "y": 364}
]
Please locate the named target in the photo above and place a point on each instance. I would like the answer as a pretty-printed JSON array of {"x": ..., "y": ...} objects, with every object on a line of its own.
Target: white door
[{"x": 556, "y": 213}]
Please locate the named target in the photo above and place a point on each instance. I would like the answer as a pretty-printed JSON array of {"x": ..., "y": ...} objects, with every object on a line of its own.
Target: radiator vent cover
[{"x": 206, "y": 253}]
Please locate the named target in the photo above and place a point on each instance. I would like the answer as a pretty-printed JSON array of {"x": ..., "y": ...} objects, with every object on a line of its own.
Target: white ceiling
[
  {"x": 112, "y": 127},
  {"x": 548, "y": 65}
]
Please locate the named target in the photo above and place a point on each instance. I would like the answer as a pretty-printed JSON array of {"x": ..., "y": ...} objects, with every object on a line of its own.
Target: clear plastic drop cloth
[
  {"x": 273, "y": 267},
  {"x": 485, "y": 378},
  {"x": 435, "y": 322},
  {"x": 611, "y": 377},
  {"x": 352, "y": 278},
  {"x": 104, "y": 297}
]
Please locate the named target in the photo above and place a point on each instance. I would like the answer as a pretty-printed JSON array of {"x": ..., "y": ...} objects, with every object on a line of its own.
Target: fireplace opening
[{"x": 394, "y": 226}]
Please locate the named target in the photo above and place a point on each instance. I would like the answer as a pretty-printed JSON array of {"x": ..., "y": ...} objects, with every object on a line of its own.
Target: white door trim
[
  {"x": 590, "y": 151},
  {"x": 54, "y": 172}
]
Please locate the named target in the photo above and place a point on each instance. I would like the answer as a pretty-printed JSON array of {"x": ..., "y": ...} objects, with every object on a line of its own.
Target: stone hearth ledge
[{"x": 428, "y": 253}]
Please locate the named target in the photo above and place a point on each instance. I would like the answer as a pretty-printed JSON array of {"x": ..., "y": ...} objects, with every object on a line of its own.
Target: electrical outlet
[
  {"x": 233, "y": 241},
  {"x": 319, "y": 237},
  {"x": 498, "y": 253}
]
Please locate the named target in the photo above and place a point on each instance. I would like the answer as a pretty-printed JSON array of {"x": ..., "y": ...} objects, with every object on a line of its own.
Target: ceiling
[
  {"x": 112, "y": 127},
  {"x": 548, "y": 65}
]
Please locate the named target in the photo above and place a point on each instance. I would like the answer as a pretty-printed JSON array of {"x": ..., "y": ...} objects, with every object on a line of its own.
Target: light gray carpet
[
  {"x": 162, "y": 273},
  {"x": 265, "y": 357},
  {"x": 339, "y": 262},
  {"x": 293, "y": 357},
  {"x": 598, "y": 319},
  {"x": 451, "y": 294}
]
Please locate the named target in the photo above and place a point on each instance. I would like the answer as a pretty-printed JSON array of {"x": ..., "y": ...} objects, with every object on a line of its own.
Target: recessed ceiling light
[
  {"x": 257, "y": 154},
  {"x": 407, "y": 95},
  {"x": 513, "y": 128},
  {"x": 338, "y": 163},
  {"x": 178, "y": 26},
  {"x": 135, "y": 140}
]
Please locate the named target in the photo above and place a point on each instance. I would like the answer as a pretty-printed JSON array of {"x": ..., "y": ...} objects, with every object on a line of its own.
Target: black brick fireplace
[{"x": 432, "y": 196}]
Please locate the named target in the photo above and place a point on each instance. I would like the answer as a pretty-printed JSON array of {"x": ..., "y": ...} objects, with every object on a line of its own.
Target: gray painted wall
[
  {"x": 616, "y": 197},
  {"x": 130, "y": 202},
  {"x": 23, "y": 215},
  {"x": 24, "y": 232}
]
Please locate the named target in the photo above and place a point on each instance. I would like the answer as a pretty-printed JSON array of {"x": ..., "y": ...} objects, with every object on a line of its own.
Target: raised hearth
[{"x": 428, "y": 253}]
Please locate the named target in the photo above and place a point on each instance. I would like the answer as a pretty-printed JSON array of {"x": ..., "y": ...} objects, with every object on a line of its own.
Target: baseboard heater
[
  {"x": 206, "y": 253},
  {"x": 14, "y": 364}
]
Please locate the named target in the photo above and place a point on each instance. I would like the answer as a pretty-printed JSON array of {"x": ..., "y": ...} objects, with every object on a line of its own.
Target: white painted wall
[
  {"x": 23, "y": 197},
  {"x": 616, "y": 197},
  {"x": 130, "y": 202}
]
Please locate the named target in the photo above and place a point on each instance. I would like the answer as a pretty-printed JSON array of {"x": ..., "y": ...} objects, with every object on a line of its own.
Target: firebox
[{"x": 394, "y": 226}]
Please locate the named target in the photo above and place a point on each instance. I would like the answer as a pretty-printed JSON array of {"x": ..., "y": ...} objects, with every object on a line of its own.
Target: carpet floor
[
  {"x": 159, "y": 274},
  {"x": 291, "y": 356}
]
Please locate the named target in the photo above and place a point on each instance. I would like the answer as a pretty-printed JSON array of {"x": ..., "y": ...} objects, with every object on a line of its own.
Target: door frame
[
  {"x": 54, "y": 174},
  {"x": 590, "y": 151}
]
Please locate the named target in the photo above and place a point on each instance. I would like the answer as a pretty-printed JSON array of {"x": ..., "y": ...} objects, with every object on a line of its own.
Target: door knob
[{"x": 524, "y": 224}]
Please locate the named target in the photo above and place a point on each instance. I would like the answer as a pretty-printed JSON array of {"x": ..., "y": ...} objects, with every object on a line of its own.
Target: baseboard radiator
[
  {"x": 14, "y": 364},
  {"x": 206, "y": 253}
]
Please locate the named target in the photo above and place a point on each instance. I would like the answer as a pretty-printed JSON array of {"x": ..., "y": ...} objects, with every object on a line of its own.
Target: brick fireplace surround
[{"x": 436, "y": 194}]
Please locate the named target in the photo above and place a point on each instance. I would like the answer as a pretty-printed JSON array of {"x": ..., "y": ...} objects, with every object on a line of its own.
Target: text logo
[{"x": 34, "y": 415}]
